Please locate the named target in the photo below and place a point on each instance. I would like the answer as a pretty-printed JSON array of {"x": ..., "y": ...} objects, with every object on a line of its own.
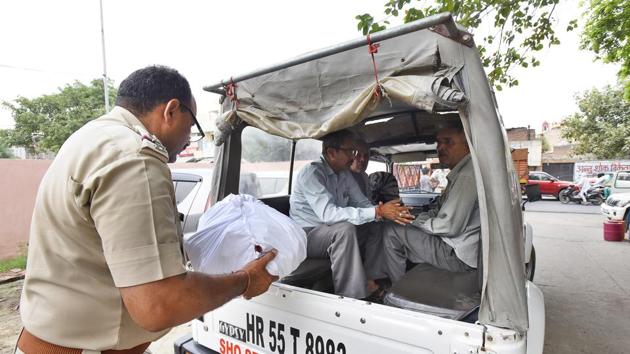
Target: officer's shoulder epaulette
[{"x": 151, "y": 145}]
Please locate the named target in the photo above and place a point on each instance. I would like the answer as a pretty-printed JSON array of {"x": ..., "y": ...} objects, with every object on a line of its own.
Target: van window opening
[{"x": 267, "y": 162}]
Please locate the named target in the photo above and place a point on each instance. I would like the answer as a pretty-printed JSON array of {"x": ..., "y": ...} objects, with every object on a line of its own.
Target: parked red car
[{"x": 549, "y": 184}]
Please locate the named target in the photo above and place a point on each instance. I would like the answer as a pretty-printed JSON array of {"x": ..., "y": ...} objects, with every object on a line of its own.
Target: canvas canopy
[{"x": 420, "y": 70}]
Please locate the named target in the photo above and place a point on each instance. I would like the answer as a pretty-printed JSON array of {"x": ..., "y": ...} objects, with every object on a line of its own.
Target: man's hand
[
  {"x": 168, "y": 302},
  {"x": 396, "y": 212},
  {"x": 259, "y": 279}
]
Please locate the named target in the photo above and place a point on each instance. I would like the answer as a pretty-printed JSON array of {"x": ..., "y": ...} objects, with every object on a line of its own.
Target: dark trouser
[
  {"x": 345, "y": 243},
  {"x": 404, "y": 243}
]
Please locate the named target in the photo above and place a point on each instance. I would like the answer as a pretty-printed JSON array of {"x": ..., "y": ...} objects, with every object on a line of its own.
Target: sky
[{"x": 48, "y": 44}]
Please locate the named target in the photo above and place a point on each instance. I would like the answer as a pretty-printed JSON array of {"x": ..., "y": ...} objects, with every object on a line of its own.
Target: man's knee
[
  {"x": 391, "y": 234},
  {"x": 345, "y": 228},
  {"x": 345, "y": 232}
]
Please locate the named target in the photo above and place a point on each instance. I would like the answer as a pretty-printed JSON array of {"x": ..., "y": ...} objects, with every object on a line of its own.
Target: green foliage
[
  {"x": 18, "y": 262},
  {"x": 602, "y": 127},
  {"x": 521, "y": 28},
  {"x": 545, "y": 144},
  {"x": 42, "y": 124},
  {"x": 607, "y": 34},
  {"x": 5, "y": 153}
]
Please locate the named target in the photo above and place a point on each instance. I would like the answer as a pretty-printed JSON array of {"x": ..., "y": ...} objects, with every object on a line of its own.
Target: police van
[{"x": 395, "y": 89}]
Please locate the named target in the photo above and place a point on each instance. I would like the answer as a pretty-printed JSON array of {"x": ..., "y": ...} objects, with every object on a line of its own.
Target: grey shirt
[
  {"x": 322, "y": 196},
  {"x": 456, "y": 220}
]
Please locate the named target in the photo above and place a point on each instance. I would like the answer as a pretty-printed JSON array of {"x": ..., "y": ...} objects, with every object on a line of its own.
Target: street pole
[{"x": 105, "y": 84}]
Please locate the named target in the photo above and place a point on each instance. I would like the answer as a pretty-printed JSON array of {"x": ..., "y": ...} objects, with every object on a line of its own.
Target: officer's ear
[{"x": 171, "y": 107}]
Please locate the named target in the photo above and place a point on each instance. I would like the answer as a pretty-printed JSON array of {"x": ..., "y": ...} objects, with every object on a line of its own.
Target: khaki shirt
[{"x": 105, "y": 217}]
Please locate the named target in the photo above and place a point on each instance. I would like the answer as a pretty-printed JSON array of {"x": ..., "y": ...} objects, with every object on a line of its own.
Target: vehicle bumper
[
  {"x": 613, "y": 213},
  {"x": 186, "y": 345},
  {"x": 536, "y": 313}
]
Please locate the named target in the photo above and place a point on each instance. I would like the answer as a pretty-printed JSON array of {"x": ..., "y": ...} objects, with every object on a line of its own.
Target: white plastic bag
[{"x": 230, "y": 231}]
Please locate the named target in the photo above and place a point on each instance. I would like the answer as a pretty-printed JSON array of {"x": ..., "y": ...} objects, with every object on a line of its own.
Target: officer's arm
[
  {"x": 178, "y": 299},
  {"x": 132, "y": 208}
]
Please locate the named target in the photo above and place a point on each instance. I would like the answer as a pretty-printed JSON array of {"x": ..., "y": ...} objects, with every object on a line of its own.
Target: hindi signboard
[{"x": 593, "y": 168}]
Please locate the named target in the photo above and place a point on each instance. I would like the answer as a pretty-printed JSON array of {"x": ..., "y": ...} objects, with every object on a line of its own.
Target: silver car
[{"x": 192, "y": 189}]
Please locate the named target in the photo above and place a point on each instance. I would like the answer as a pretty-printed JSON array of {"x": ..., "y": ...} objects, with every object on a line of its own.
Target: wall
[
  {"x": 563, "y": 171},
  {"x": 534, "y": 148},
  {"x": 19, "y": 181},
  {"x": 520, "y": 133}
]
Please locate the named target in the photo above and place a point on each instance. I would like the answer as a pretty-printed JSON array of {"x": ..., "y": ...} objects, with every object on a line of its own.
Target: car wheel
[
  {"x": 530, "y": 268},
  {"x": 563, "y": 196},
  {"x": 597, "y": 200}
]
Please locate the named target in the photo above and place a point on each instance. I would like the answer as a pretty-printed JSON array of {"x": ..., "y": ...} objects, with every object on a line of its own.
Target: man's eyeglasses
[
  {"x": 352, "y": 151},
  {"x": 194, "y": 118}
]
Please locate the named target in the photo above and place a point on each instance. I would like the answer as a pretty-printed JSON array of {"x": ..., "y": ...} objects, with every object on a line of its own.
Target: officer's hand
[
  {"x": 396, "y": 212},
  {"x": 259, "y": 278}
]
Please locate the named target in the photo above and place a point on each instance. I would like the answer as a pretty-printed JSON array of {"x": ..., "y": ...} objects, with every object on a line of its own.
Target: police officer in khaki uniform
[{"x": 105, "y": 272}]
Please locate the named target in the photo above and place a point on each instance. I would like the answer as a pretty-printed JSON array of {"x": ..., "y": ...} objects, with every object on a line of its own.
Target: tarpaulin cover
[
  {"x": 336, "y": 92},
  {"x": 419, "y": 70}
]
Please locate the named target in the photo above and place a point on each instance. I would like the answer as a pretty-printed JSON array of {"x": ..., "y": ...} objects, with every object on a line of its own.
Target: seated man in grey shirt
[
  {"x": 327, "y": 202},
  {"x": 446, "y": 237}
]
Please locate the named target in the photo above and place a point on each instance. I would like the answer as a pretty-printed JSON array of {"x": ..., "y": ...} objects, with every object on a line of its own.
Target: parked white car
[
  {"x": 619, "y": 182},
  {"x": 617, "y": 207}
]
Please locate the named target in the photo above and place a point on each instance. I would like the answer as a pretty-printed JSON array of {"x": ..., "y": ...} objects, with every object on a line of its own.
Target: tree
[
  {"x": 545, "y": 144},
  {"x": 602, "y": 127},
  {"x": 607, "y": 34},
  {"x": 42, "y": 124},
  {"x": 5, "y": 153},
  {"x": 520, "y": 28}
]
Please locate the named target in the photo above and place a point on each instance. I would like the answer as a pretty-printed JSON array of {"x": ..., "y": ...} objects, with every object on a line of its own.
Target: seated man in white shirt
[
  {"x": 328, "y": 204},
  {"x": 446, "y": 237}
]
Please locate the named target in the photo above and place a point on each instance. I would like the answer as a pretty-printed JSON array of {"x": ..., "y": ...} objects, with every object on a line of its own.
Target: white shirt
[{"x": 323, "y": 197}]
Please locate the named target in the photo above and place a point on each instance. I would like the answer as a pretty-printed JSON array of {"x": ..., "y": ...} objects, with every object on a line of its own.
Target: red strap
[
  {"x": 230, "y": 92},
  {"x": 373, "y": 48}
]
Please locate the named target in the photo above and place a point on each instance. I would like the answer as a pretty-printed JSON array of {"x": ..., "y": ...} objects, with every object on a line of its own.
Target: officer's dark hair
[
  {"x": 336, "y": 139},
  {"x": 425, "y": 170},
  {"x": 148, "y": 87}
]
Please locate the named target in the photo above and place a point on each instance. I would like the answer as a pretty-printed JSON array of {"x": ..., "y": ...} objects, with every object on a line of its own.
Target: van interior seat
[
  {"x": 313, "y": 273},
  {"x": 438, "y": 292},
  {"x": 280, "y": 203}
]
